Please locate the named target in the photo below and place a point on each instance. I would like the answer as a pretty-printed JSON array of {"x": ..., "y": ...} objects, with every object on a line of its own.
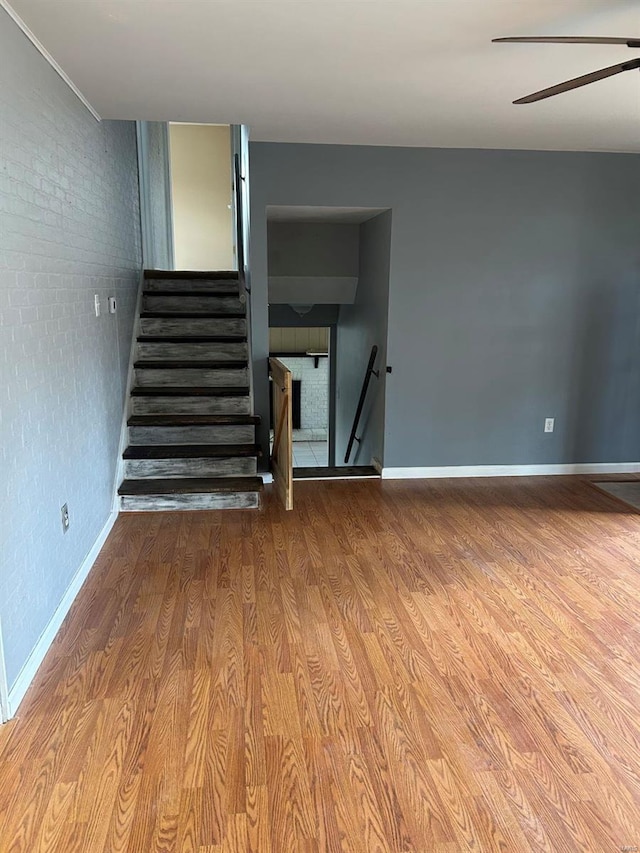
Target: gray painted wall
[
  {"x": 360, "y": 327},
  {"x": 156, "y": 186},
  {"x": 312, "y": 248},
  {"x": 69, "y": 228},
  {"x": 514, "y": 295}
]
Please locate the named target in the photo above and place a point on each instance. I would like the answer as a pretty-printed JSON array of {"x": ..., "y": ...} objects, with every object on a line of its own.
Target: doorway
[
  {"x": 305, "y": 350},
  {"x": 187, "y": 195},
  {"x": 329, "y": 267},
  {"x": 201, "y": 195}
]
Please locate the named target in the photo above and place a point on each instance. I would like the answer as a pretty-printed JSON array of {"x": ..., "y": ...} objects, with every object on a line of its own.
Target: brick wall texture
[
  {"x": 69, "y": 229},
  {"x": 314, "y": 389}
]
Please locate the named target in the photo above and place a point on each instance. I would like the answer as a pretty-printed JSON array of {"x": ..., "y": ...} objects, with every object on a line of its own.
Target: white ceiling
[{"x": 382, "y": 72}]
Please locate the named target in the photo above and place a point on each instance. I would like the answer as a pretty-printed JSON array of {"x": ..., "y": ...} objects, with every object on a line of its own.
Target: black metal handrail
[
  {"x": 238, "y": 179},
  {"x": 363, "y": 393}
]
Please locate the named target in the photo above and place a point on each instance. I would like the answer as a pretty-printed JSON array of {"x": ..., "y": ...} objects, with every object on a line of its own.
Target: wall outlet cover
[
  {"x": 64, "y": 512},
  {"x": 549, "y": 424}
]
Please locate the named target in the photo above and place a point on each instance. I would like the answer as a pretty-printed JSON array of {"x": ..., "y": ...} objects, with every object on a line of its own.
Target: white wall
[
  {"x": 201, "y": 190},
  {"x": 314, "y": 390},
  {"x": 69, "y": 228}
]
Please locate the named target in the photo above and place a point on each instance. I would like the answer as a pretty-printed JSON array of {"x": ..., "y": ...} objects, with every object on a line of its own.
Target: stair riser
[
  {"x": 234, "y": 466},
  {"x": 181, "y": 284},
  {"x": 192, "y": 435},
  {"x": 192, "y": 326},
  {"x": 155, "y": 503},
  {"x": 192, "y": 377},
  {"x": 197, "y": 352},
  {"x": 206, "y": 304},
  {"x": 190, "y": 406}
]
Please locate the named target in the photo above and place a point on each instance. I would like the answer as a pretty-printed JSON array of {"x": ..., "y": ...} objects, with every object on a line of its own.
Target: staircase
[{"x": 190, "y": 429}]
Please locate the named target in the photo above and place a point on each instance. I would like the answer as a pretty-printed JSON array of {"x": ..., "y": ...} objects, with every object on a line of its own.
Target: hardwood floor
[{"x": 393, "y": 666}]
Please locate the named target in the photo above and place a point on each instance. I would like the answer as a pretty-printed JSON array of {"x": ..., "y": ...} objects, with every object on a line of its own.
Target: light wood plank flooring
[{"x": 412, "y": 666}]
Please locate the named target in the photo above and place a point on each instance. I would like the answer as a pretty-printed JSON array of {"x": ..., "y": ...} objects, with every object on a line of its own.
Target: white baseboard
[
  {"x": 4, "y": 687},
  {"x": 449, "y": 471},
  {"x": 28, "y": 671}
]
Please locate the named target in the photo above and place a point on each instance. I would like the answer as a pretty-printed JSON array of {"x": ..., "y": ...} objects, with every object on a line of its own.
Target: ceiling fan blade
[
  {"x": 580, "y": 81},
  {"x": 630, "y": 42}
]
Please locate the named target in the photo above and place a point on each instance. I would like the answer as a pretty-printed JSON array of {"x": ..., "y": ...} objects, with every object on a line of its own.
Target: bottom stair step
[{"x": 193, "y": 493}]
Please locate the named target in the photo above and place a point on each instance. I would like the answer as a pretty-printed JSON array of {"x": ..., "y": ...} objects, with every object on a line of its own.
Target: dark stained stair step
[
  {"x": 192, "y": 339},
  {"x": 192, "y": 420},
  {"x": 233, "y": 294},
  {"x": 156, "y": 364},
  {"x": 189, "y": 391},
  {"x": 192, "y": 315},
  {"x": 195, "y": 275},
  {"x": 190, "y": 451},
  {"x": 190, "y": 486}
]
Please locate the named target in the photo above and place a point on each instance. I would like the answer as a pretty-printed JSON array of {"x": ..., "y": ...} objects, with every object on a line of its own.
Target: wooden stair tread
[
  {"x": 190, "y": 486},
  {"x": 192, "y": 315},
  {"x": 192, "y": 420},
  {"x": 221, "y": 333},
  {"x": 191, "y": 364},
  {"x": 195, "y": 275},
  {"x": 192, "y": 339},
  {"x": 208, "y": 294},
  {"x": 190, "y": 451},
  {"x": 189, "y": 391}
]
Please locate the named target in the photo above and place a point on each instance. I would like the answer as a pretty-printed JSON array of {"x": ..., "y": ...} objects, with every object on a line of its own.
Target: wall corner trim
[
  {"x": 28, "y": 671},
  {"x": 455, "y": 471},
  {"x": 4, "y": 4}
]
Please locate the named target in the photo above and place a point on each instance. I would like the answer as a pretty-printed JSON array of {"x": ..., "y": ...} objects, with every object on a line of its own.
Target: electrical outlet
[
  {"x": 112, "y": 305},
  {"x": 64, "y": 512},
  {"x": 549, "y": 424},
  {"x": 96, "y": 304}
]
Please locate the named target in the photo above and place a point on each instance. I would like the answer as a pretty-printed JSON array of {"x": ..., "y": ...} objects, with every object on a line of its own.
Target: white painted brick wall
[
  {"x": 69, "y": 228},
  {"x": 314, "y": 390}
]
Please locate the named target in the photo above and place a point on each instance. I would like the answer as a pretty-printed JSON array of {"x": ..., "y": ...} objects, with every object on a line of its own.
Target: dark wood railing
[{"x": 363, "y": 394}]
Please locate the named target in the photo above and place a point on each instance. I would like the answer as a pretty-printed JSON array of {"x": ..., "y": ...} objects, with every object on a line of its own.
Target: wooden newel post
[{"x": 282, "y": 453}]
